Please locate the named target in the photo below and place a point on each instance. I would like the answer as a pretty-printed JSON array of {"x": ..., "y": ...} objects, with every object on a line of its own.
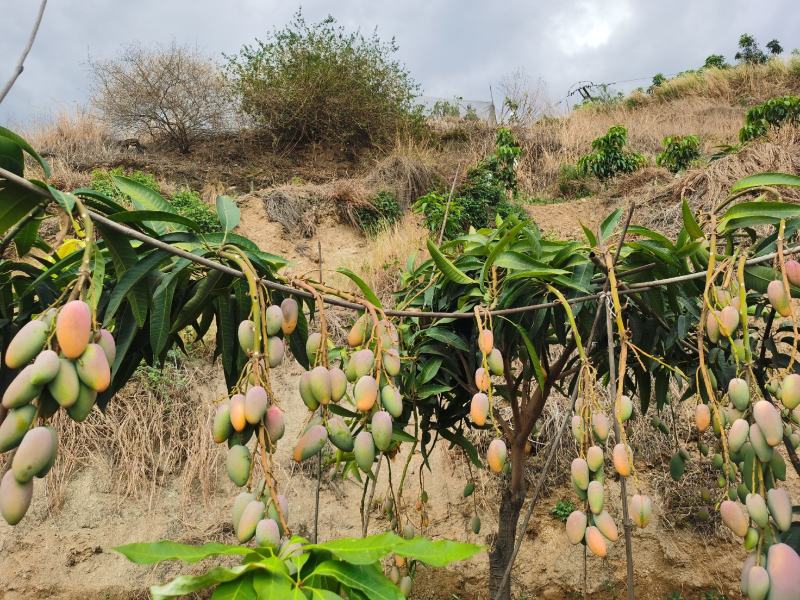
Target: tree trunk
[{"x": 510, "y": 506}]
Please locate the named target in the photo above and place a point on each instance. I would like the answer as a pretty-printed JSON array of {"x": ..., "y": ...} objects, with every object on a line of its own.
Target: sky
[{"x": 451, "y": 47}]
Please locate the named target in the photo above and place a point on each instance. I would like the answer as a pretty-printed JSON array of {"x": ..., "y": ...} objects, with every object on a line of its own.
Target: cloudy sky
[{"x": 452, "y": 47}]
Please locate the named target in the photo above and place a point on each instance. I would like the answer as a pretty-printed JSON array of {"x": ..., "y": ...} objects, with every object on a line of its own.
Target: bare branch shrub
[{"x": 524, "y": 100}]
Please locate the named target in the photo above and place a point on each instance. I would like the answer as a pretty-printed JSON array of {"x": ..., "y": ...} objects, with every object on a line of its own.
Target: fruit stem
[{"x": 85, "y": 270}]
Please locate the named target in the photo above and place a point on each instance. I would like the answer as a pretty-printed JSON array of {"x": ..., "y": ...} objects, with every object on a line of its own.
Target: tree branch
[{"x": 21, "y": 63}]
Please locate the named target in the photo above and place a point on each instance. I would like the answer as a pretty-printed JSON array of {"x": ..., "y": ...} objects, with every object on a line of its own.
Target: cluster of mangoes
[
  {"x": 779, "y": 297},
  {"x": 252, "y": 517},
  {"x": 480, "y": 405},
  {"x": 68, "y": 373}
]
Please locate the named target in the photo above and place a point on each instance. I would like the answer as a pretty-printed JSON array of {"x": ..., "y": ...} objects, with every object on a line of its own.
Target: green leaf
[
  {"x": 15, "y": 203},
  {"x": 765, "y": 179},
  {"x": 27, "y": 148},
  {"x": 143, "y": 198},
  {"x": 228, "y": 213},
  {"x": 320, "y": 594},
  {"x": 124, "y": 257},
  {"x": 365, "y": 289},
  {"x": 161, "y": 312},
  {"x": 144, "y": 216},
  {"x": 590, "y": 237},
  {"x": 272, "y": 585},
  {"x": 748, "y": 214},
  {"x": 497, "y": 249},
  {"x": 238, "y": 589},
  {"x": 146, "y": 553},
  {"x": 447, "y": 268},
  {"x": 689, "y": 222},
  {"x": 98, "y": 278},
  {"x": 132, "y": 276},
  {"x": 186, "y": 584},
  {"x": 446, "y": 336},
  {"x": 532, "y": 354},
  {"x": 65, "y": 200},
  {"x": 517, "y": 261},
  {"x": 429, "y": 370},
  {"x": 365, "y": 578},
  {"x": 608, "y": 226},
  {"x": 360, "y": 551},
  {"x": 459, "y": 440},
  {"x": 26, "y": 237},
  {"x": 436, "y": 553}
]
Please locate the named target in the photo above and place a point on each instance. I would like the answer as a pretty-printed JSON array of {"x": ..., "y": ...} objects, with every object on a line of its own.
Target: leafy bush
[
  {"x": 103, "y": 182},
  {"x": 385, "y": 211},
  {"x": 433, "y": 205},
  {"x": 715, "y": 61},
  {"x": 318, "y": 83},
  {"x": 772, "y": 113},
  {"x": 679, "y": 152},
  {"x": 609, "y": 156},
  {"x": 189, "y": 204},
  {"x": 562, "y": 510}
]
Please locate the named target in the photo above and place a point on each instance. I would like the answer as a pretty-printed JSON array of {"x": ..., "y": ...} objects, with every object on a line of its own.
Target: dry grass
[{"x": 408, "y": 171}]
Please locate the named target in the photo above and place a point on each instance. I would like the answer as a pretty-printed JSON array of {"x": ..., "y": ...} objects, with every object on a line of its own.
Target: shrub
[
  {"x": 772, "y": 113},
  {"x": 573, "y": 182},
  {"x": 679, "y": 152},
  {"x": 102, "y": 181},
  {"x": 562, "y": 510},
  {"x": 715, "y": 61},
  {"x": 385, "y": 211},
  {"x": 609, "y": 156},
  {"x": 189, "y": 204},
  {"x": 318, "y": 83},
  {"x": 172, "y": 93},
  {"x": 432, "y": 207}
]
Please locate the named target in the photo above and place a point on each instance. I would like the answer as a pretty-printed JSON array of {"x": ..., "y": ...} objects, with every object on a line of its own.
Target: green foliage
[
  {"x": 610, "y": 157},
  {"x": 383, "y": 212},
  {"x": 444, "y": 108},
  {"x": 658, "y": 80},
  {"x": 715, "y": 61},
  {"x": 103, "y": 182},
  {"x": 433, "y": 205},
  {"x": 318, "y": 83},
  {"x": 750, "y": 54},
  {"x": 573, "y": 182},
  {"x": 562, "y": 510},
  {"x": 679, "y": 152},
  {"x": 775, "y": 112},
  {"x": 188, "y": 203}
]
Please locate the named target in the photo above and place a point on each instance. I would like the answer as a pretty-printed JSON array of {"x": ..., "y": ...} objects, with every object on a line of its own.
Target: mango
[
  {"x": 479, "y": 409},
  {"x": 255, "y": 404},
  {"x": 338, "y": 384},
  {"x": 468, "y": 490},
  {"x": 482, "y": 379},
  {"x": 722, "y": 296},
  {"x": 290, "y": 311},
  {"x": 237, "y": 412},
  {"x": 790, "y": 391},
  {"x": 621, "y": 458},
  {"x": 595, "y": 541},
  {"x": 792, "y": 269},
  {"x": 712, "y": 326},
  {"x": 364, "y": 451},
  {"x": 475, "y": 524},
  {"x": 26, "y": 344},
  {"x": 778, "y": 466},
  {"x": 580, "y": 473},
  {"x": 595, "y": 494},
  {"x": 702, "y": 417},
  {"x": 737, "y": 435},
  {"x": 778, "y": 298},
  {"x": 624, "y": 408},
  {"x": 339, "y": 433},
  {"x": 74, "y": 328},
  {"x": 366, "y": 393},
  {"x": 273, "y": 319},
  {"x": 640, "y": 509},
  {"x": 363, "y": 361},
  {"x": 93, "y": 369},
  {"x": 382, "y": 430},
  {"x": 728, "y": 321},
  {"x": 485, "y": 341},
  {"x": 16, "y": 423},
  {"x": 405, "y": 585},
  {"x": 251, "y": 515},
  {"x": 21, "y": 391},
  {"x": 601, "y": 426},
  {"x": 739, "y": 393},
  {"x": 783, "y": 567},
  {"x": 268, "y": 534},
  {"x": 757, "y": 583},
  {"x": 578, "y": 430},
  {"x": 310, "y": 443},
  {"x": 387, "y": 333},
  {"x": 237, "y": 463},
  {"x": 769, "y": 420},
  {"x": 35, "y": 454},
  {"x": 276, "y": 350},
  {"x": 576, "y": 526},
  {"x": 105, "y": 340},
  {"x": 221, "y": 428},
  {"x": 408, "y": 531},
  {"x": 320, "y": 384},
  {"x": 780, "y": 507},
  {"x": 739, "y": 351},
  {"x": 762, "y": 449},
  {"x": 242, "y": 500},
  {"x": 391, "y": 400},
  {"x": 606, "y": 525},
  {"x": 733, "y": 517},
  {"x": 305, "y": 391},
  {"x": 44, "y": 368},
  {"x": 79, "y": 411},
  {"x": 15, "y": 498},
  {"x": 359, "y": 331},
  {"x": 312, "y": 346},
  {"x": 748, "y": 564},
  {"x": 247, "y": 336},
  {"x": 496, "y": 455},
  {"x": 494, "y": 360},
  {"x": 275, "y": 424},
  {"x": 594, "y": 458},
  {"x": 391, "y": 362},
  {"x": 757, "y": 509},
  {"x": 751, "y": 539}
]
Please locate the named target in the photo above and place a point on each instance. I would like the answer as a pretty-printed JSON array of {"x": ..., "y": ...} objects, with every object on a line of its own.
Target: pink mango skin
[{"x": 783, "y": 566}]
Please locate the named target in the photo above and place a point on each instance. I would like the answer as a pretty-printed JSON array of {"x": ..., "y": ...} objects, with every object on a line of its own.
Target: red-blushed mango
[
  {"x": 256, "y": 402},
  {"x": 578, "y": 429},
  {"x": 16, "y": 423},
  {"x": 79, "y": 411},
  {"x": 391, "y": 400},
  {"x": 606, "y": 525},
  {"x": 242, "y": 500},
  {"x": 290, "y": 312},
  {"x": 496, "y": 455},
  {"x": 737, "y": 434},
  {"x": 762, "y": 448},
  {"x": 21, "y": 391},
  {"x": 739, "y": 393},
  {"x": 359, "y": 331},
  {"x": 44, "y": 368},
  {"x": 362, "y": 362},
  {"x": 305, "y": 391},
  {"x": 479, "y": 409},
  {"x": 366, "y": 393},
  {"x": 93, "y": 369},
  {"x": 712, "y": 326},
  {"x": 338, "y": 384},
  {"x": 792, "y": 268},
  {"x": 339, "y": 433},
  {"x": 36, "y": 451},
  {"x": 769, "y": 420},
  {"x": 482, "y": 379},
  {"x": 310, "y": 443},
  {"x": 405, "y": 586},
  {"x": 273, "y": 319},
  {"x": 780, "y": 507},
  {"x": 778, "y": 298},
  {"x": 579, "y": 470},
  {"x": 624, "y": 408},
  {"x": 28, "y": 342},
  {"x": 640, "y": 508},
  {"x": 595, "y": 494},
  {"x": 275, "y": 424},
  {"x": 268, "y": 535},
  {"x": 594, "y": 458},
  {"x": 783, "y": 566},
  {"x": 622, "y": 459},
  {"x": 757, "y": 509},
  {"x": 595, "y": 541},
  {"x": 320, "y": 384},
  {"x": 382, "y": 430},
  {"x": 364, "y": 451},
  {"x": 15, "y": 498},
  {"x": 702, "y": 417},
  {"x": 237, "y": 463},
  {"x": 247, "y": 336},
  {"x": 312, "y": 346},
  {"x": 485, "y": 341},
  {"x": 387, "y": 333},
  {"x": 391, "y": 362},
  {"x": 728, "y": 321},
  {"x": 494, "y": 360},
  {"x": 251, "y": 515},
  {"x": 748, "y": 564},
  {"x": 74, "y": 328},
  {"x": 106, "y": 341},
  {"x": 790, "y": 391},
  {"x": 601, "y": 426},
  {"x": 576, "y": 526},
  {"x": 221, "y": 429},
  {"x": 733, "y": 517},
  {"x": 238, "y": 412},
  {"x": 275, "y": 351},
  {"x": 722, "y": 296},
  {"x": 757, "y": 583}
]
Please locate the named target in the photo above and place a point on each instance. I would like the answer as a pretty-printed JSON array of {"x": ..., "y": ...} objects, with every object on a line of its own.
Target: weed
[
  {"x": 562, "y": 510},
  {"x": 383, "y": 212},
  {"x": 679, "y": 152}
]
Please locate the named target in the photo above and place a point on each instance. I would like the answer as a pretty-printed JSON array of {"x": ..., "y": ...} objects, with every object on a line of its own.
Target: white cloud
[{"x": 589, "y": 25}]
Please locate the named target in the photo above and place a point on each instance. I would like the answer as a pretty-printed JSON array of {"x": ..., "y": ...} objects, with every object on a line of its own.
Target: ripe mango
[
  {"x": 739, "y": 393},
  {"x": 35, "y": 454},
  {"x": 93, "y": 369},
  {"x": 780, "y": 507},
  {"x": 21, "y": 391},
  {"x": 253, "y": 513},
  {"x": 364, "y": 451},
  {"x": 757, "y": 509},
  {"x": 482, "y": 379},
  {"x": 748, "y": 564},
  {"x": 624, "y": 408},
  {"x": 594, "y": 458},
  {"x": 363, "y": 361},
  {"x": 275, "y": 424},
  {"x": 391, "y": 362},
  {"x": 479, "y": 409},
  {"x": 769, "y": 420},
  {"x": 26, "y": 344},
  {"x": 255, "y": 404},
  {"x": 238, "y": 413},
  {"x": 339, "y": 433},
  {"x": 485, "y": 341},
  {"x": 595, "y": 494},
  {"x": 382, "y": 430},
  {"x": 222, "y": 428},
  {"x": 580, "y": 473},
  {"x": 595, "y": 541},
  {"x": 16, "y": 423},
  {"x": 762, "y": 449},
  {"x": 312, "y": 346},
  {"x": 268, "y": 534},
  {"x": 79, "y": 411},
  {"x": 496, "y": 455},
  {"x": 290, "y": 312},
  {"x": 640, "y": 509},
  {"x": 621, "y": 458},
  {"x": 778, "y": 298},
  {"x": 737, "y": 435},
  {"x": 15, "y": 498},
  {"x": 273, "y": 319},
  {"x": 387, "y": 333},
  {"x": 578, "y": 430},
  {"x": 106, "y": 341},
  {"x": 310, "y": 443},
  {"x": 247, "y": 336},
  {"x": 792, "y": 268},
  {"x": 391, "y": 400},
  {"x": 305, "y": 391},
  {"x": 275, "y": 351},
  {"x": 359, "y": 331},
  {"x": 601, "y": 426},
  {"x": 272, "y": 511},
  {"x": 757, "y": 583},
  {"x": 576, "y": 526},
  {"x": 237, "y": 463},
  {"x": 74, "y": 328},
  {"x": 702, "y": 417},
  {"x": 712, "y": 326},
  {"x": 320, "y": 384},
  {"x": 494, "y": 360},
  {"x": 728, "y": 321},
  {"x": 783, "y": 567},
  {"x": 606, "y": 525},
  {"x": 242, "y": 500},
  {"x": 733, "y": 517},
  {"x": 338, "y": 384},
  {"x": 790, "y": 391},
  {"x": 366, "y": 393},
  {"x": 44, "y": 368}
]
